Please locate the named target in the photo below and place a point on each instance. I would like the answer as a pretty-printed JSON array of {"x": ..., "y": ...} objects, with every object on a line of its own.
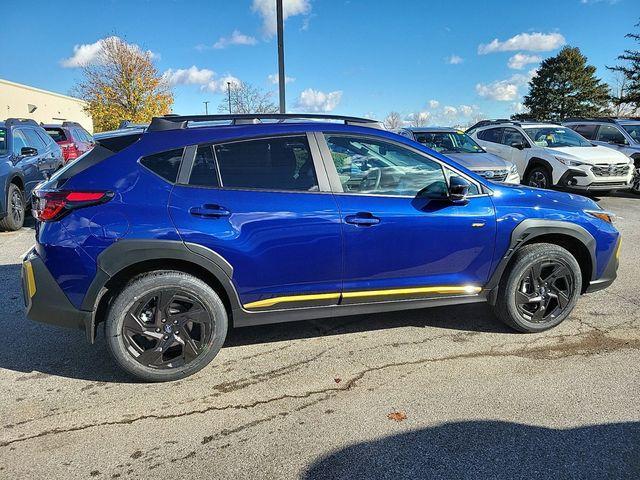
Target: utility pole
[
  {"x": 206, "y": 107},
  {"x": 281, "y": 77},
  {"x": 229, "y": 95}
]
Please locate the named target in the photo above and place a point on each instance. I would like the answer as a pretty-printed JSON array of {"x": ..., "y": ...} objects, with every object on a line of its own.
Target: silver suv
[{"x": 622, "y": 134}]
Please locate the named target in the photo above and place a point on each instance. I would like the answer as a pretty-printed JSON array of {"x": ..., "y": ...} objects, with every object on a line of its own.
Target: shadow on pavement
[
  {"x": 30, "y": 346},
  {"x": 490, "y": 449}
]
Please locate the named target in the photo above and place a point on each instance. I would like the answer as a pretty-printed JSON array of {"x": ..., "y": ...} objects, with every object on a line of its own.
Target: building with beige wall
[{"x": 23, "y": 101}]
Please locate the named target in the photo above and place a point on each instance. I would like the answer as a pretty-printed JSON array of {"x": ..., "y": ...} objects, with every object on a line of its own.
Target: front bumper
[
  {"x": 44, "y": 299},
  {"x": 585, "y": 180},
  {"x": 610, "y": 272}
]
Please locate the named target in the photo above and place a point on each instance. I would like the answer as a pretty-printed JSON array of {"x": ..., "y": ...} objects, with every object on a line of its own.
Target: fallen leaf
[
  {"x": 397, "y": 416},
  {"x": 337, "y": 380}
]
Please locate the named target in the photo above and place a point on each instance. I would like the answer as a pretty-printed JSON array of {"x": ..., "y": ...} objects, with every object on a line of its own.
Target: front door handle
[
  {"x": 209, "y": 211},
  {"x": 362, "y": 219}
]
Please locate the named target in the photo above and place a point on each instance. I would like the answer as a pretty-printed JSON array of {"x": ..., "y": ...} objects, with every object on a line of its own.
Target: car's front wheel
[
  {"x": 165, "y": 325},
  {"x": 539, "y": 177},
  {"x": 540, "y": 288},
  {"x": 14, "y": 220}
]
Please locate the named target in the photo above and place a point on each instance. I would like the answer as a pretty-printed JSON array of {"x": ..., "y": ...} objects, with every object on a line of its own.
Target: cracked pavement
[{"x": 312, "y": 399}]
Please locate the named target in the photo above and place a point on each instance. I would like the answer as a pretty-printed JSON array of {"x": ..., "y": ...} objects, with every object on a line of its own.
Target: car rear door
[
  {"x": 398, "y": 242},
  {"x": 490, "y": 139},
  {"x": 266, "y": 208},
  {"x": 29, "y": 165}
]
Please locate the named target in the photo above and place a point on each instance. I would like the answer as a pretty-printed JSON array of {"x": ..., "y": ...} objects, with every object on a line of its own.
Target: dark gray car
[
  {"x": 27, "y": 156},
  {"x": 463, "y": 149}
]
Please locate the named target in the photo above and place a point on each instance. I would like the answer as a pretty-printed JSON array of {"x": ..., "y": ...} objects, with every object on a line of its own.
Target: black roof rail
[
  {"x": 176, "y": 122},
  {"x": 70, "y": 124},
  {"x": 599, "y": 119},
  {"x": 497, "y": 121},
  {"x": 20, "y": 121}
]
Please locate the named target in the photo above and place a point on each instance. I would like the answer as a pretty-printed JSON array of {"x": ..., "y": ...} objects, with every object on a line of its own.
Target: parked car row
[{"x": 29, "y": 154}]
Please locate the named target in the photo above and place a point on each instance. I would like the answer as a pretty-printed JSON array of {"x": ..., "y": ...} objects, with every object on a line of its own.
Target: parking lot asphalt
[{"x": 438, "y": 393}]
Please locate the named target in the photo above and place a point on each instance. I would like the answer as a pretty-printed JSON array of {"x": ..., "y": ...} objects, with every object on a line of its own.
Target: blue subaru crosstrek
[{"x": 172, "y": 235}]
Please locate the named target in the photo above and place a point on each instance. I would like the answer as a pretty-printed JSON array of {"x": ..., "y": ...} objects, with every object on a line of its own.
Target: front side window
[
  {"x": 610, "y": 134},
  {"x": 375, "y": 167},
  {"x": 493, "y": 135},
  {"x": 513, "y": 136},
  {"x": 33, "y": 140},
  {"x": 586, "y": 130},
  {"x": 449, "y": 142},
  {"x": 555, "y": 137},
  {"x": 19, "y": 141},
  {"x": 279, "y": 163},
  {"x": 633, "y": 129},
  {"x": 164, "y": 164}
]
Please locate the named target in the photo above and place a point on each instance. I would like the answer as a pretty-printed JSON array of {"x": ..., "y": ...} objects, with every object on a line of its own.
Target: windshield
[
  {"x": 634, "y": 131},
  {"x": 3, "y": 140},
  {"x": 448, "y": 142},
  {"x": 556, "y": 137}
]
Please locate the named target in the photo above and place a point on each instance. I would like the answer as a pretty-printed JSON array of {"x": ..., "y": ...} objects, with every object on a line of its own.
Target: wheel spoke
[
  {"x": 163, "y": 300},
  {"x": 197, "y": 315},
  {"x": 559, "y": 271},
  {"x": 190, "y": 349},
  {"x": 561, "y": 297}
]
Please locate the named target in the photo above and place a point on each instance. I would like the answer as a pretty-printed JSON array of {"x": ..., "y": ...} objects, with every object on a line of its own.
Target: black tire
[
  {"x": 148, "y": 330},
  {"x": 538, "y": 176},
  {"x": 515, "y": 286},
  {"x": 14, "y": 220}
]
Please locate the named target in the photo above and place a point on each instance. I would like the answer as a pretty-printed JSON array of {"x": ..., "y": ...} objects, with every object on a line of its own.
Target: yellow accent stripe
[
  {"x": 31, "y": 281},
  {"x": 269, "y": 302},
  {"x": 618, "y": 248}
]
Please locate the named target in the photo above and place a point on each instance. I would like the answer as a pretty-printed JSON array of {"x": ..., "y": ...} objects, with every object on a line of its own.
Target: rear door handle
[
  {"x": 362, "y": 219},
  {"x": 209, "y": 211}
]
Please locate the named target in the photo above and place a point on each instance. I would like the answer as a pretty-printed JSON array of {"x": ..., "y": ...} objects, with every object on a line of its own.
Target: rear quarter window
[{"x": 165, "y": 164}]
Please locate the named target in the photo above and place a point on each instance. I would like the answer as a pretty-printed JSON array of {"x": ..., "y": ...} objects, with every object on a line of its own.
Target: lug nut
[
  {"x": 166, "y": 337},
  {"x": 163, "y": 320},
  {"x": 175, "y": 321},
  {"x": 176, "y": 333},
  {"x": 157, "y": 330}
]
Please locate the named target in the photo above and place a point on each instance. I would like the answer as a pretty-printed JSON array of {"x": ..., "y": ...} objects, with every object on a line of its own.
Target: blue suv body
[
  {"x": 169, "y": 235},
  {"x": 27, "y": 156}
]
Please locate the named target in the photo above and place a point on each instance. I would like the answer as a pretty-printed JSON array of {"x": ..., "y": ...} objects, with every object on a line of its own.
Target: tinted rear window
[
  {"x": 204, "y": 172},
  {"x": 57, "y": 134},
  {"x": 587, "y": 131},
  {"x": 282, "y": 163},
  {"x": 491, "y": 135},
  {"x": 165, "y": 164}
]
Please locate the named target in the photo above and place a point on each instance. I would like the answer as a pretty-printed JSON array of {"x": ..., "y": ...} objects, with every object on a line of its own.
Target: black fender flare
[
  {"x": 533, "y": 161},
  {"x": 531, "y": 228},
  {"x": 127, "y": 253}
]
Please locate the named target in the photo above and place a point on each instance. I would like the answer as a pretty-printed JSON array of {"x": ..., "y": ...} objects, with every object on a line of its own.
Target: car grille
[
  {"x": 493, "y": 175},
  {"x": 612, "y": 170}
]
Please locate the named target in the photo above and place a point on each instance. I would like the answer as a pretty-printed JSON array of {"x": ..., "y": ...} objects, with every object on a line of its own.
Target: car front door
[
  {"x": 28, "y": 164},
  {"x": 265, "y": 208},
  {"x": 516, "y": 149},
  {"x": 402, "y": 240}
]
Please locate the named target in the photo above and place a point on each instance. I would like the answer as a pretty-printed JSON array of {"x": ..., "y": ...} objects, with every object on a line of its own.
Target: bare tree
[
  {"x": 245, "y": 98},
  {"x": 122, "y": 83},
  {"x": 418, "y": 119},
  {"x": 619, "y": 91},
  {"x": 393, "y": 121}
]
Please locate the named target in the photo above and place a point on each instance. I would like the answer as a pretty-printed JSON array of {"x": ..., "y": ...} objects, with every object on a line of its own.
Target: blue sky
[{"x": 452, "y": 61}]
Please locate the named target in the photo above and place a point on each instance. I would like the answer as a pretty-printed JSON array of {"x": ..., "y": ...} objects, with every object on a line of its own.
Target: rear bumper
[
  {"x": 44, "y": 299},
  {"x": 610, "y": 272}
]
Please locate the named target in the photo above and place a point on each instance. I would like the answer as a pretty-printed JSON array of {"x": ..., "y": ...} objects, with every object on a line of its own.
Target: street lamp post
[
  {"x": 206, "y": 107},
  {"x": 229, "y": 95},
  {"x": 281, "y": 77}
]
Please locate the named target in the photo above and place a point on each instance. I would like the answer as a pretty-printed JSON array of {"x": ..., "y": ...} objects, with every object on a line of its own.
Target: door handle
[
  {"x": 209, "y": 211},
  {"x": 362, "y": 219}
]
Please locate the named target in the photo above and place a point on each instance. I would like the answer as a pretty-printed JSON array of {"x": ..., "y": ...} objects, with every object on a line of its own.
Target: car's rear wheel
[
  {"x": 165, "y": 325},
  {"x": 14, "y": 220},
  {"x": 635, "y": 182},
  {"x": 538, "y": 177},
  {"x": 540, "y": 289}
]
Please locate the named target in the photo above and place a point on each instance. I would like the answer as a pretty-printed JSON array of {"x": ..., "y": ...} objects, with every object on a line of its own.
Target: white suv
[{"x": 548, "y": 154}]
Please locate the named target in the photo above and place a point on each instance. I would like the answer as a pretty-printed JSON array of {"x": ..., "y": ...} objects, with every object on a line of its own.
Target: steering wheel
[{"x": 369, "y": 182}]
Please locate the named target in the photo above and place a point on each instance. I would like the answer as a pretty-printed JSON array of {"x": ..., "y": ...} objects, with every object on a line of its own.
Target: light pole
[
  {"x": 206, "y": 107},
  {"x": 229, "y": 95},
  {"x": 281, "y": 77}
]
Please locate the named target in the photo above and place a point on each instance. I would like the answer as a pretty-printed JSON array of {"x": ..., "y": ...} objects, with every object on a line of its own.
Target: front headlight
[
  {"x": 602, "y": 215},
  {"x": 568, "y": 162}
]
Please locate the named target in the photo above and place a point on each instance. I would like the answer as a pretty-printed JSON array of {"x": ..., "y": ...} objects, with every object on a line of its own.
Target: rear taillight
[
  {"x": 49, "y": 206},
  {"x": 69, "y": 151}
]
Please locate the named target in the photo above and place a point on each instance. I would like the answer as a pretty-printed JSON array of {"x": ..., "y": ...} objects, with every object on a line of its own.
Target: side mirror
[
  {"x": 28, "y": 152},
  {"x": 518, "y": 145},
  {"x": 618, "y": 141},
  {"x": 458, "y": 189}
]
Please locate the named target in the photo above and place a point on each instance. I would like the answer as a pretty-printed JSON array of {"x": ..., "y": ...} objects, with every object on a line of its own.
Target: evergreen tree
[
  {"x": 630, "y": 93},
  {"x": 566, "y": 86}
]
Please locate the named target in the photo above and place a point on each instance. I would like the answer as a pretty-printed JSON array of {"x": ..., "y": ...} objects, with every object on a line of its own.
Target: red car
[{"x": 72, "y": 138}]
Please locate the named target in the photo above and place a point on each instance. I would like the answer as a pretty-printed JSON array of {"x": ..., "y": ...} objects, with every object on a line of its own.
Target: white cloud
[
  {"x": 290, "y": 8},
  {"x": 454, "y": 60},
  {"x": 520, "y": 60},
  {"x": 449, "y": 111},
  {"x": 274, "y": 77},
  {"x": 205, "y": 78},
  {"x": 236, "y": 38},
  {"x": 433, "y": 104},
  {"x": 518, "y": 107},
  {"x": 533, "y": 42},
  {"x": 467, "y": 110},
  {"x": 90, "y": 53},
  {"x": 316, "y": 101},
  {"x": 505, "y": 90},
  {"x": 592, "y": 2}
]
